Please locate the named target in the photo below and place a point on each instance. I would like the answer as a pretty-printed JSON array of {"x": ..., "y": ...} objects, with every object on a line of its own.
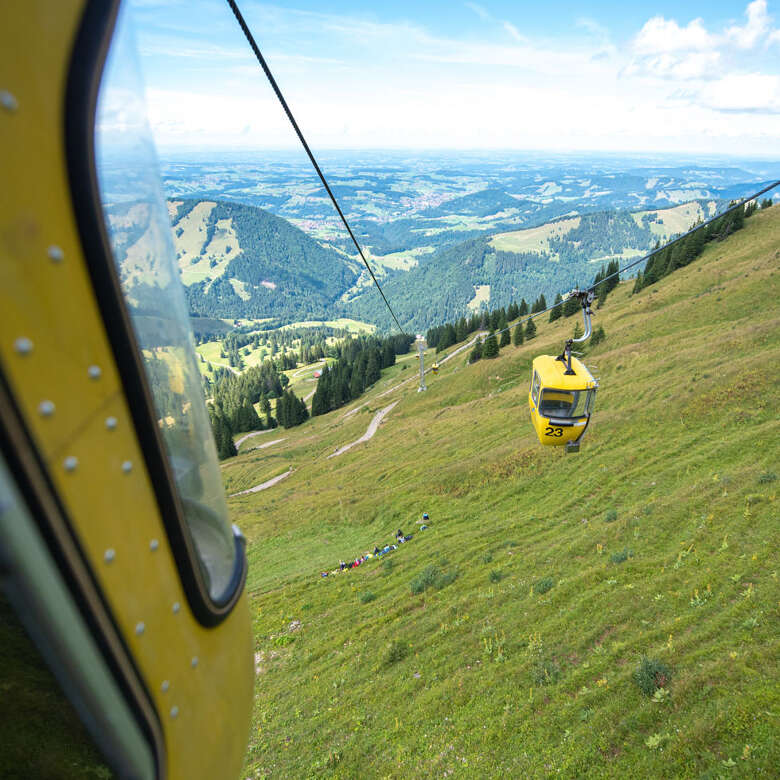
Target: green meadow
[{"x": 508, "y": 639}]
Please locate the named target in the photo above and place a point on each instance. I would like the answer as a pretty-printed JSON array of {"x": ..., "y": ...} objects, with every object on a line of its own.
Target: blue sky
[{"x": 689, "y": 77}]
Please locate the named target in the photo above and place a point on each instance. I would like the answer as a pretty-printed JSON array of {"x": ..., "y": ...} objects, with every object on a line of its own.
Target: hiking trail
[
  {"x": 370, "y": 431},
  {"x": 264, "y": 485}
]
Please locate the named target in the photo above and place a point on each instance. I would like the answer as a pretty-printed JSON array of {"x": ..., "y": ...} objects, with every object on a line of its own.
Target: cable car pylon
[{"x": 421, "y": 346}]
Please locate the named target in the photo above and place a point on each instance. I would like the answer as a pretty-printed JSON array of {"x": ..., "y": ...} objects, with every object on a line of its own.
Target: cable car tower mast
[{"x": 421, "y": 345}]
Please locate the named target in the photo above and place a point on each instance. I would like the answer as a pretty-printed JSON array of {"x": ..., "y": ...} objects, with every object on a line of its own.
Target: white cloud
[
  {"x": 664, "y": 49},
  {"x": 749, "y": 92},
  {"x": 662, "y": 35},
  {"x": 400, "y": 85},
  {"x": 758, "y": 24}
]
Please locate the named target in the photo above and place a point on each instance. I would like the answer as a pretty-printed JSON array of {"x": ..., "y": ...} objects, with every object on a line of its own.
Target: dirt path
[
  {"x": 264, "y": 485},
  {"x": 267, "y": 444},
  {"x": 246, "y": 436},
  {"x": 352, "y": 411},
  {"x": 371, "y": 430}
]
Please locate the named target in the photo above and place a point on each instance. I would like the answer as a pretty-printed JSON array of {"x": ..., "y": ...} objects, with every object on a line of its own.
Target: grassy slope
[
  {"x": 42, "y": 736},
  {"x": 685, "y": 425}
]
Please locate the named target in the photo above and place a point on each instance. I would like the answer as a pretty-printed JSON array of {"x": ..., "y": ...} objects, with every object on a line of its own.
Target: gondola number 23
[{"x": 550, "y": 431}]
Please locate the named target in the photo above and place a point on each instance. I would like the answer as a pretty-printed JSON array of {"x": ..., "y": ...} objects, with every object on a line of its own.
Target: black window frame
[{"x": 83, "y": 85}]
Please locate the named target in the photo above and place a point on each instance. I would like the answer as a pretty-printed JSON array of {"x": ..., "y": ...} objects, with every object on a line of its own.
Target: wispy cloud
[
  {"x": 479, "y": 10},
  {"x": 514, "y": 32}
]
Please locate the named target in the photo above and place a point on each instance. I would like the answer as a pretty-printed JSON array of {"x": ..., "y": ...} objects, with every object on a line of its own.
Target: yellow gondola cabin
[
  {"x": 561, "y": 404},
  {"x": 563, "y": 391}
]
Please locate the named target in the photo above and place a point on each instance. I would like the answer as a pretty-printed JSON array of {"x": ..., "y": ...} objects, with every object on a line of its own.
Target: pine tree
[
  {"x": 530, "y": 330},
  {"x": 523, "y": 310},
  {"x": 518, "y": 339},
  {"x": 490, "y": 350},
  {"x": 372, "y": 368},
  {"x": 555, "y": 313},
  {"x": 597, "y": 336},
  {"x": 603, "y": 290},
  {"x": 571, "y": 306},
  {"x": 356, "y": 384},
  {"x": 249, "y": 418},
  {"x": 388, "y": 355},
  {"x": 513, "y": 312},
  {"x": 476, "y": 353},
  {"x": 505, "y": 337},
  {"x": 613, "y": 275},
  {"x": 223, "y": 436}
]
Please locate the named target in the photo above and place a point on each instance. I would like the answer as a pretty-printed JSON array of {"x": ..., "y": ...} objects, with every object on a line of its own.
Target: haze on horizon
[{"x": 663, "y": 79}]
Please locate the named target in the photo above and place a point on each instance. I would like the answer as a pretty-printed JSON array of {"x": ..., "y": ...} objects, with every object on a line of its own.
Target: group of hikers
[{"x": 400, "y": 538}]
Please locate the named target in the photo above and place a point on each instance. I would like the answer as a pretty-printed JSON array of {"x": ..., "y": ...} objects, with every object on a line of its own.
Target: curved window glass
[
  {"x": 566, "y": 403},
  {"x": 137, "y": 222}
]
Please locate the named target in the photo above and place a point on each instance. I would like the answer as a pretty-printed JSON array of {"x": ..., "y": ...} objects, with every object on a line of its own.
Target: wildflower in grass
[
  {"x": 661, "y": 696},
  {"x": 654, "y": 741}
]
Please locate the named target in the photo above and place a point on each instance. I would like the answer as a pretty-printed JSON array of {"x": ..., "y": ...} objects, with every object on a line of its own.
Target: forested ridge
[
  {"x": 439, "y": 288},
  {"x": 284, "y": 272}
]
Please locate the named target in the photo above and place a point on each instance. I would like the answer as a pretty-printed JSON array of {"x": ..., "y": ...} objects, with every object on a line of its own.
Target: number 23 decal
[{"x": 550, "y": 431}]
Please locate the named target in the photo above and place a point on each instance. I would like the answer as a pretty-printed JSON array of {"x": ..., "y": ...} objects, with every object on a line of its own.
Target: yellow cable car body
[
  {"x": 119, "y": 527},
  {"x": 561, "y": 403},
  {"x": 435, "y": 368}
]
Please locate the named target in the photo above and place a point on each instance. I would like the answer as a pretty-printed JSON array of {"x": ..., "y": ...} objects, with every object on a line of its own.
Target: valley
[
  {"x": 436, "y": 228},
  {"x": 504, "y": 640}
]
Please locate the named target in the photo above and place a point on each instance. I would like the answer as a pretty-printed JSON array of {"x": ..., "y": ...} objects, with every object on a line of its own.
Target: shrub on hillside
[
  {"x": 397, "y": 651},
  {"x": 495, "y": 575},
  {"x": 652, "y": 674},
  {"x": 621, "y": 557},
  {"x": 431, "y": 577},
  {"x": 367, "y": 596},
  {"x": 767, "y": 477},
  {"x": 610, "y": 516},
  {"x": 543, "y": 585},
  {"x": 424, "y": 579}
]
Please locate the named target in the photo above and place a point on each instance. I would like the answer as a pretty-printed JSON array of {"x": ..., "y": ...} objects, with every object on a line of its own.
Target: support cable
[{"x": 250, "y": 38}]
